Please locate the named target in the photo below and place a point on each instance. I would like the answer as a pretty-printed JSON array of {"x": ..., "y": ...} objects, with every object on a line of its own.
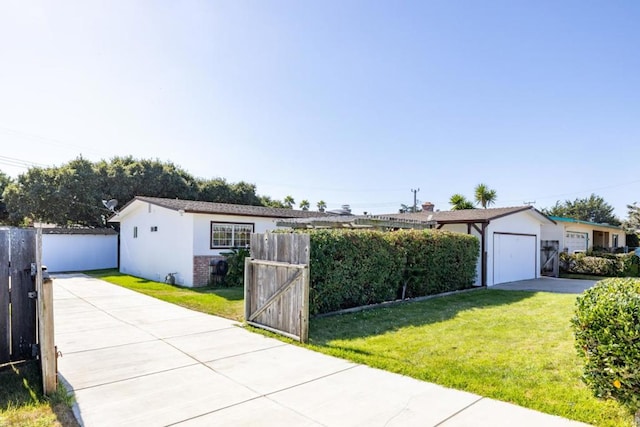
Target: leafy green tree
[
  {"x": 593, "y": 209},
  {"x": 289, "y": 201},
  {"x": 72, "y": 194},
  {"x": 272, "y": 203},
  {"x": 322, "y": 205},
  {"x": 5, "y": 180},
  {"x": 484, "y": 196},
  {"x": 304, "y": 205},
  {"x": 459, "y": 202}
]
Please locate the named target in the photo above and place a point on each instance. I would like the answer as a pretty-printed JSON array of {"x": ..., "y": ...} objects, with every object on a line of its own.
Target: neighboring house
[
  {"x": 160, "y": 236},
  {"x": 579, "y": 236},
  {"x": 509, "y": 239},
  {"x": 79, "y": 249}
]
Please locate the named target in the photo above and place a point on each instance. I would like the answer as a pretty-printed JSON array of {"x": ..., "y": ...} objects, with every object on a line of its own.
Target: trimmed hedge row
[
  {"x": 351, "y": 268},
  {"x": 618, "y": 265}
]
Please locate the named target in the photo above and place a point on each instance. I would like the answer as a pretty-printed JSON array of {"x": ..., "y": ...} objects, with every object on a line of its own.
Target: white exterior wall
[
  {"x": 154, "y": 254},
  {"x": 559, "y": 231},
  {"x": 78, "y": 252},
  {"x": 202, "y": 230},
  {"x": 518, "y": 223}
]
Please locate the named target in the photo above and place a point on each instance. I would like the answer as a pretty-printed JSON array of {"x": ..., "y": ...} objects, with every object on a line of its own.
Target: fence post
[{"x": 45, "y": 324}]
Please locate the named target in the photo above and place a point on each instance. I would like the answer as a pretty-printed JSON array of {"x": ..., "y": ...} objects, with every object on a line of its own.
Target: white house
[
  {"x": 509, "y": 239},
  {"x": 78, "y": 249},
  {"x": 160, "y": 236},
  {"x": 579, "y": 236}
]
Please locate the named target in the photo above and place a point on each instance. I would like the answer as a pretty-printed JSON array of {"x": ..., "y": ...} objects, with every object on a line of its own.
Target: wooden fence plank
[
  {"x": 5, "y": 337},
  {"x": 276, "y": 283},
  {"x": 23, "y": 308}
]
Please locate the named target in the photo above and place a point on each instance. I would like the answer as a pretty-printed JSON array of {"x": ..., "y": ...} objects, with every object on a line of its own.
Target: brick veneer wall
[{"x": 201, "y": 268}]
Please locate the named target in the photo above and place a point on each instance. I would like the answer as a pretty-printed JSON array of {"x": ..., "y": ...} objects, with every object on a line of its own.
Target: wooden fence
[
  {"x": 26, "y": 303},
  {"x": 277, "y": 284}
]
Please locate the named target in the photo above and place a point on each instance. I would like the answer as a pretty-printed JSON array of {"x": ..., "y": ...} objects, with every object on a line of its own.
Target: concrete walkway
[{"x": 132, "y": 360}]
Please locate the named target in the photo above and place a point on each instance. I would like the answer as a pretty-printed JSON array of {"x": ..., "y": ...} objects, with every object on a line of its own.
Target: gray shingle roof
[
  {"x": 469, "y": 215},
  {"x": 192, "y": 206}
]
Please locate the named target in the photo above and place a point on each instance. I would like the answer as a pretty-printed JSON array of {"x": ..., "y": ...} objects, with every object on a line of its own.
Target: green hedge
[
  {"x": 600, "y": 264},
  {"x": 351, "y": 268},
  {"x": 606, "y": 326}
]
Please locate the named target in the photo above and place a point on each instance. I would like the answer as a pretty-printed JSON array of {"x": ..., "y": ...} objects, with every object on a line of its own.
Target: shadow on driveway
[{"x": 548, "y": 284}]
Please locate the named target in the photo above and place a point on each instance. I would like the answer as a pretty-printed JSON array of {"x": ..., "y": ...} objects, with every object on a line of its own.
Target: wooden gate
[
  {"x": 276, "y": 284},
  {"x": 18, "y": 332},
  {"x": 26, "y": 304},
  {"x": 550, "y": 258}
]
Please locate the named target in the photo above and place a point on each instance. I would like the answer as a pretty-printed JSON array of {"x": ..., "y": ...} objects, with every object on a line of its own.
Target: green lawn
[
  {"x": 23, "y": 404},
  {"x": 511, "y": 346},
  {"x": 224, "y": 302}
]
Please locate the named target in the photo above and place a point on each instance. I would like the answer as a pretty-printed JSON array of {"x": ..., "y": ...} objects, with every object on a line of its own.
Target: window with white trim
[{"x": 230, "y": 235}]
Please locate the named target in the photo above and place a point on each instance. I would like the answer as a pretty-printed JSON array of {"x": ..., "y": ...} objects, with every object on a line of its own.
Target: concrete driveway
[
  {"x": 132, "y": 360},
  {"x": 548, "y": 284}
]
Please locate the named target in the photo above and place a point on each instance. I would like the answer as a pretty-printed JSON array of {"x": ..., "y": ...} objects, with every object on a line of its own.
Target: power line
[{"x": 25, "y": 164}]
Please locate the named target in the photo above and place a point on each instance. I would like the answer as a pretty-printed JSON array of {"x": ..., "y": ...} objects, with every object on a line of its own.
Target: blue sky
[{"x": 351, "y": 102}]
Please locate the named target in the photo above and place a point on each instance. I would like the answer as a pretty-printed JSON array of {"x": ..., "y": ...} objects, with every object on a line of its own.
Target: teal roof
[{"x": 578, "y": 221}]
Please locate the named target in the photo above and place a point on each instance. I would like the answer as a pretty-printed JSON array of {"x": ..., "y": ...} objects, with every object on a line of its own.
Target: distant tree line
[{"x": 72, "y": 194}]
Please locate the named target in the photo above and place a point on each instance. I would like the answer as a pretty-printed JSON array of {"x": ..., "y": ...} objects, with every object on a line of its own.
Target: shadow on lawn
[
  {"x": 22, "y": 388},
  {"x": 386, "y": 319}
]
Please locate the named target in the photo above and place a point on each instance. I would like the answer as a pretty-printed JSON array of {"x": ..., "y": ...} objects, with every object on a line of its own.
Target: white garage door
[
  {"x": 514, "y": 257},
  {"x": 575, "y": 242}
]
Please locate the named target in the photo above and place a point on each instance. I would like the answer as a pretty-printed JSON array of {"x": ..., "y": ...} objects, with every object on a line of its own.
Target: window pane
[
  {"x": 242, "y": 235},
  {"x": 222, "y": 235}
]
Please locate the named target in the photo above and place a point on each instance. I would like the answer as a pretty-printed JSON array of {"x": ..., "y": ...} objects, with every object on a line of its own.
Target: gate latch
[{"x": 32, "y": 294}]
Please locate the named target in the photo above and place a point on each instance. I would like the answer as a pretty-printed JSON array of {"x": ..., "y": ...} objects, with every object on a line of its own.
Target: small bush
[
  {"x": 600, "y": 264},
  {"x": 607, "y": 333},
  {"x": 235, "y": 258}
]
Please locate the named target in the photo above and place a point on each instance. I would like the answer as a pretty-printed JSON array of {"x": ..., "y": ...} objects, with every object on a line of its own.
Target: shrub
[
  {"x": 600, "y": 264},
  {"x": 607, "y": 333},
  {"x": 350, "y": 268},
  {"x": 235, "y": 258}
]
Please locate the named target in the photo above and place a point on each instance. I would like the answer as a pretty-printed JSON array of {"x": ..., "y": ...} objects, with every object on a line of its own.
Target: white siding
[
  {"x": 78, "y": 252},
  {"x": 153, "y": 254}
]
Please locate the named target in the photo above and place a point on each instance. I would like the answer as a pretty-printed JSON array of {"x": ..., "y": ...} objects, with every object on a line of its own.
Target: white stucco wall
[
  {"x": 518, "y": 223},
  {"x": 202, "y": 230},
  {"x": 154, "y": 254},
  {"x": 78, "y": 252}
]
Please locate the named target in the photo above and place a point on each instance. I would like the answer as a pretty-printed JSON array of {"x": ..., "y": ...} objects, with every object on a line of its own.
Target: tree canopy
[
  {"x": 592, "y": 209},
  {"x": 72, "y": 194}
]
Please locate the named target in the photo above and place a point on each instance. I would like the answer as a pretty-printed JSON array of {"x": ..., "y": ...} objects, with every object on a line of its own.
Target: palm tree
[
  {"x": 322, "y": 205},
  {"x": 304, "y": 205},
  {"x": 289, "y": 202},
  {"x": 484, "y": 195},
  {"x": 459, "y": 202}
]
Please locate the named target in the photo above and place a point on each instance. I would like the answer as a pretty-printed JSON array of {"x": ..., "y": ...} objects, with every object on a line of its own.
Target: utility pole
[{"x": 415, "y": 199}]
